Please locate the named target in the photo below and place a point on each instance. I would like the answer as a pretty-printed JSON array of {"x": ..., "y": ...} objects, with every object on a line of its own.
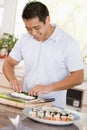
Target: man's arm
[
  {"x": 76, "y": 78},
  {"x": 8, "y": 70},
  {"x": 72, "y": 80}
]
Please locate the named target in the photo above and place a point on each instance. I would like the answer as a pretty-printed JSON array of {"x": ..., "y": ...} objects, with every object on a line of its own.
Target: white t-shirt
[{"x": 48, "y": 62}]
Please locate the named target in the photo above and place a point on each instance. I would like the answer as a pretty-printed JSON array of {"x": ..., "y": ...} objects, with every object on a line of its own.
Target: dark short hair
[{"x": 35, "y": 9}]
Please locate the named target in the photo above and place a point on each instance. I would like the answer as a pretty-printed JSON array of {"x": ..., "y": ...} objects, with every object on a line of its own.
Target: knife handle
[{"x": 49, "y": 99}]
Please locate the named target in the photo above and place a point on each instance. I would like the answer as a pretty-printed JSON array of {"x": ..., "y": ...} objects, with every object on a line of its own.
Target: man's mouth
[{"x": 37, "y": 37}]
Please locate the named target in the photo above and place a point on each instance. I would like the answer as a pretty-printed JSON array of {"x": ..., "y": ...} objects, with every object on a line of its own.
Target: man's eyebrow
[
  {"x": 32, "y": 27},
  {"x": 36, "y": 26}
]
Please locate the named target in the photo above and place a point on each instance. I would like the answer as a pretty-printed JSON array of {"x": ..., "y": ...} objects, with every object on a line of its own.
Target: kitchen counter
[{"x": 8, "y": 113}]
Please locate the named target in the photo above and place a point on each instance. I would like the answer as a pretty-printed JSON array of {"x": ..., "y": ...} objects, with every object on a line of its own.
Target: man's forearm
[
  {"x": 8, "y": 71},
  {"x": 74, "y": 79}
]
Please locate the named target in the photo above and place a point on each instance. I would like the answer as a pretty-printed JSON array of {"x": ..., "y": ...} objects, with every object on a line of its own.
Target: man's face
[{"x": 37, "y": 29}]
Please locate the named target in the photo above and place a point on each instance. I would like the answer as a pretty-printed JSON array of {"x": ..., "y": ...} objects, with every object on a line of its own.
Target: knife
[
  {"x": 49, "y": 99},
  {"x": 42, "y": 100}
]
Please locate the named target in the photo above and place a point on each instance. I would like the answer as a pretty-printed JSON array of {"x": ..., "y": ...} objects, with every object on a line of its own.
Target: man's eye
[
  {"x": 37, "y": 28},
  {"x": 28, "y": 29}
]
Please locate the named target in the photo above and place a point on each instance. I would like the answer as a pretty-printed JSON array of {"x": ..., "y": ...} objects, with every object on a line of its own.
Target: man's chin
[{"x": 38, "y": 39}]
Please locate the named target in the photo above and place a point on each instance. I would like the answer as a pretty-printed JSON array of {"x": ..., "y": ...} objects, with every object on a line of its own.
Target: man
[{"x": 52, "y": 58}]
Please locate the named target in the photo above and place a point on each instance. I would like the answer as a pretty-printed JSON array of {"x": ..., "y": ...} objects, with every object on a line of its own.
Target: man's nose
[{"x": 33, "y": 32}]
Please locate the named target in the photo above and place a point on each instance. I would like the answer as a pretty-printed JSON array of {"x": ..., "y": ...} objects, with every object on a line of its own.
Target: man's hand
[
  {"x": 16, "y": 85},
  {"x": 40, "y": 89}
]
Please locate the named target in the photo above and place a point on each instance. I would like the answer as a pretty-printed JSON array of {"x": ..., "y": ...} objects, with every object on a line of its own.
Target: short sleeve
[
  {"x": 73, "y": 56},
  {"x": 16, "y": 51}
]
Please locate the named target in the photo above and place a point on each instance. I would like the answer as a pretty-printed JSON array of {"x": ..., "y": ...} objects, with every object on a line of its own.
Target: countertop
[{"x": 8, "y": 113}]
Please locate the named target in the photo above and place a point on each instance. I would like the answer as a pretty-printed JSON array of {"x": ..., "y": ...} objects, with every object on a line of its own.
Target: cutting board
[{"x": 36, "y": 102}]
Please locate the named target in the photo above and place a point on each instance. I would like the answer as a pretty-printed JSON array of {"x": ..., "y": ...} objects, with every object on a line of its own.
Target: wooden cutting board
[
  {"x": 36, "y": 102},
  {"x": 24, "y": 105}
]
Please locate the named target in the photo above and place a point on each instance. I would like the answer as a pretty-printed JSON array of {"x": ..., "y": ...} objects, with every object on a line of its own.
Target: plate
[{"x": 27, "y": 112}]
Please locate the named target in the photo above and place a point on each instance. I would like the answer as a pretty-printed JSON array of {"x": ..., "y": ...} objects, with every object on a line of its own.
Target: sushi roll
[{"x": 22, "y": 96}]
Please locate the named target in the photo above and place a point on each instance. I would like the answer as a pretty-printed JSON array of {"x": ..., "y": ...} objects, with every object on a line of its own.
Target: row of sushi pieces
[{"x": 51, "y": 115}]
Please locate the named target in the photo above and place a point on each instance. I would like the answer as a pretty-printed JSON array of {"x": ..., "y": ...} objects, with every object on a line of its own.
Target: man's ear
[{"x": 47, "y": 20}]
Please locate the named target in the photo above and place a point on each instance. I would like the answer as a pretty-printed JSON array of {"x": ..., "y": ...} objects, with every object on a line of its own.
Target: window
[
  {"x": 1, "y": 12},
  {"x": 7, "y": 15},
  {"x": 19, "y": 25}
]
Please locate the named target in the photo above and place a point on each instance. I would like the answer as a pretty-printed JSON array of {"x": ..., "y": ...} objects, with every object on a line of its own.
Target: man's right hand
[{"x": 16, "y": 85}]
